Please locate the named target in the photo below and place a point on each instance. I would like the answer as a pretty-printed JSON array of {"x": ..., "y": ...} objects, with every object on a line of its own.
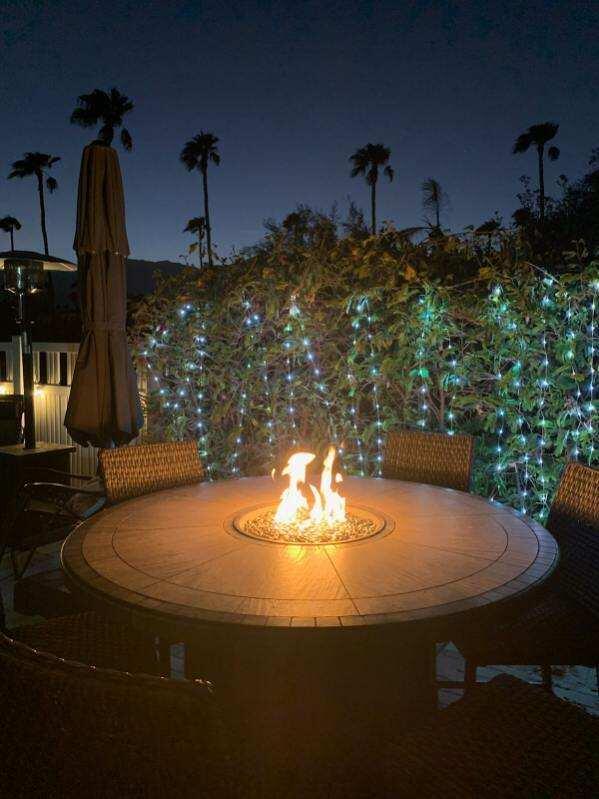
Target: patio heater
[{"x": 24, "y": 275}]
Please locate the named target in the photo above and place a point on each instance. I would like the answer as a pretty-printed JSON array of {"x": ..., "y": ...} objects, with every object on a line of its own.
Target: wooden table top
[{"x": 175, "y": 555}]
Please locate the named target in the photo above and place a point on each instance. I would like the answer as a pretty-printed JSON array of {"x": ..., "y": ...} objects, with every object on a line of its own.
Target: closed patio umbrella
[{"x": 104, "y": 407}]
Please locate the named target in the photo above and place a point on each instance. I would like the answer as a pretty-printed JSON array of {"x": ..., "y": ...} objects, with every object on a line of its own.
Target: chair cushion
[
  {"x": 554, "y": 630},
  {"x": 85, "y": 505},
  {"x": 505, "y": 740},
  {"x": 90, "y": 638}
]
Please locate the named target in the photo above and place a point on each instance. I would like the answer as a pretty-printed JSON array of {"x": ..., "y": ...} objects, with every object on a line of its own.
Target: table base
[{"x": 306, "y": 690}]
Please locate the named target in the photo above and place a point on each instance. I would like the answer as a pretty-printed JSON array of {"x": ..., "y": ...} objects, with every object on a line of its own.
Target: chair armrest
[
  {"x": 57, "y": 473},
  {"x": 57, "y": 499},
  {"x": 60, "y": 488}
]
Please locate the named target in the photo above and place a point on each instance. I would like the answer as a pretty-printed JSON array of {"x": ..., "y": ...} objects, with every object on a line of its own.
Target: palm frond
[
  {"x": 106, "y": 133},
  {"x": 109, "y": 108},
  {"x": 126, "y": 140},
  {"x": 522, "y": 143},
  {"x": 9, "y": 223},
  {"x": 32, "y": 164},
  {"x": 431, "y": 193},
  {"x": 199, "y": 150},
  {"x": 51, "y": 185},
  {"x": 553, "y": 153},
  {"x": 538, "y": 135},
  {"x": 84, "y": 117},
  {"x": 368, "y": 159}
]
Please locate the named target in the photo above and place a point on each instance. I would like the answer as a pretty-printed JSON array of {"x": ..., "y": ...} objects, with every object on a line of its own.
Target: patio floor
[{"x": 577, "y": 684}]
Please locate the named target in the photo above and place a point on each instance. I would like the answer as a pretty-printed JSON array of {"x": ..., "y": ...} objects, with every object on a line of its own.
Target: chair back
[
  {"x": 135, "y": 470},
  {"x": 574, "y": 522},
  {"x": 75, "y": 730},
  {"x": 435, "y": 458}
]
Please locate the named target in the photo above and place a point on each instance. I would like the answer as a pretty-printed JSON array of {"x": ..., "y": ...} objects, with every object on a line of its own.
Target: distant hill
[
  {"x": 140, "y": 274},
  {"x": 140, "y": 279}
]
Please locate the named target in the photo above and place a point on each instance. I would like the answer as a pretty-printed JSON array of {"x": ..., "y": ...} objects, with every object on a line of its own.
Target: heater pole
[{"x": 27, "y": 362}]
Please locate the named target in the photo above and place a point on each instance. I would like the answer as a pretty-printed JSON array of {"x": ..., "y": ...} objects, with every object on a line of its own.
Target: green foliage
[{"x": 297, "y": 344}]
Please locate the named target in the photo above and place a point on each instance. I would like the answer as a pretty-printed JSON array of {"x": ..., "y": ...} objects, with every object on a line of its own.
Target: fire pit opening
[{"x": 307, "y": 514}]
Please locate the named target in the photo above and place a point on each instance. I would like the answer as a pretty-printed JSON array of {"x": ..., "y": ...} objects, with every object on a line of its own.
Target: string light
[
  {"x": 590, "y": 399},
  {"x": 374, "y": 371},
  {"x": 422, "y": 370},
  {"x": 537, "y": 344}
]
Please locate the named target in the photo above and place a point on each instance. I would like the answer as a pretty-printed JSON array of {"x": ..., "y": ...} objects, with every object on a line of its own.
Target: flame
[{"x": 328, "y": 506}]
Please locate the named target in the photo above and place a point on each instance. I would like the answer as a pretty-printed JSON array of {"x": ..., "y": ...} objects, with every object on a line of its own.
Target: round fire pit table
[{"x": 273, "y": 623}]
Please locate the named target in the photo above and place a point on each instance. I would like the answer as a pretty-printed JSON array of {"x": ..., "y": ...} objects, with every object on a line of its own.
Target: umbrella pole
[{"x": 27, "y": 366}]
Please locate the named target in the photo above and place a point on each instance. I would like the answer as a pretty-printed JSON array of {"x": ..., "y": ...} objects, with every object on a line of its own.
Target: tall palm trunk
[
  {"x": 207, "y": 215},
  {"x": 12, "y": 238},
  {"x": 437, "y": 215},
  {"x": 540, "y": 150},
  {"x": 373, "y": 208},
  {"x": 40, "y": 191}
]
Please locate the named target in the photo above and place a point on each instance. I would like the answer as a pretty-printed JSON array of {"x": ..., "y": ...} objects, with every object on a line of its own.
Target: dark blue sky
[{"x": 292, "y": 89}]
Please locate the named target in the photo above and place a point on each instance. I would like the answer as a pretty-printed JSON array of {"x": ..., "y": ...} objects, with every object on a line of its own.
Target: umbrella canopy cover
[{"x": 104, "y": 407}]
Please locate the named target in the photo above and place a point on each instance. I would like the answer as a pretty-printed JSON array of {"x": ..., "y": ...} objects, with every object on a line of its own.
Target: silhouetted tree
[
  {"x": 197, "y": 154},
  {"x": 9, "y": 224},
  {"x": 434, "y": 200},
  {"x": 537, "y": 136},
  {"x": 367, "y": 161},
  {"x": 354, "y": 223},
  {"x": 37, "y": 164},
  {"x": 197, "y": 226},
  {"x": 107, "y": 108},
  {"x": 489, "y": 229}
]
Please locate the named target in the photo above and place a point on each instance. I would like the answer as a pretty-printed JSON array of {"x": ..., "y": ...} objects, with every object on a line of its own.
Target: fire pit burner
[{"x": 260, "y": 523}]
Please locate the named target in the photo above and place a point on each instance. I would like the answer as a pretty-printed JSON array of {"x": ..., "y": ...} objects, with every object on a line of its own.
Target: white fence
[{"x": 53, "y": 366}]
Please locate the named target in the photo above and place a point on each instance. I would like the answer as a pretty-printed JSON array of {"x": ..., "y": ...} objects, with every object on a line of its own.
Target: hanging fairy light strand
[
  {"x": 374, "y": 377},
  {"x": 425, "y": 316},
  {"x": 544, "y": 384},
  {"x": 590, "y": 423},
  {"x": 353, "y": 388}
]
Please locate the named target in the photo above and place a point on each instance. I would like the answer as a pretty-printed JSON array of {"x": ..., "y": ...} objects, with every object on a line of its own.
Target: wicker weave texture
[
  {"x": 132, "y": 471},
  {"x": 574, "y": 521},
  {"x": 70, "y": 730},
  {"x": 90, "y": 638},
  {"x": 434, "y": 458},
  {"x": 505, "y": 740}
]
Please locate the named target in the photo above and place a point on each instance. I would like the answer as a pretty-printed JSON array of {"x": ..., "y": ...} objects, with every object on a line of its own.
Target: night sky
[{"x": 292, "y": 89}]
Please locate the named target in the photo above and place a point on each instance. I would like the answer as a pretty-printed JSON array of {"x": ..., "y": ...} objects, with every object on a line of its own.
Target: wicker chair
[
  {"x": 132, "y": 471},
  {"x": 507, "y": 740},
  {"x": 434, "y": 458},
  {"x": 562, "y": 626},
  {"x": 69, "y": 729}
]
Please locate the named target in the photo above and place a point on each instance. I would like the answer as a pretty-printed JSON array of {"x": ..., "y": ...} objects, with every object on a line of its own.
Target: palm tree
[
  {"x": 197, "y": 154},
  {"x": 367, "y": 161},
  {"x": 197, "y": 225},
  {"x": 9, "y": 224},
  {"x": 433, "y": 199},
  {"x": 36, "y": 164},
  {"x": 107, "y": 108},
  {"x": 538, "y": 136}
]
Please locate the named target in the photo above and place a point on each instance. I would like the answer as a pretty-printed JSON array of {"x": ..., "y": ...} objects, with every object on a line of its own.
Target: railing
[{"x": 53, "y": 367}]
